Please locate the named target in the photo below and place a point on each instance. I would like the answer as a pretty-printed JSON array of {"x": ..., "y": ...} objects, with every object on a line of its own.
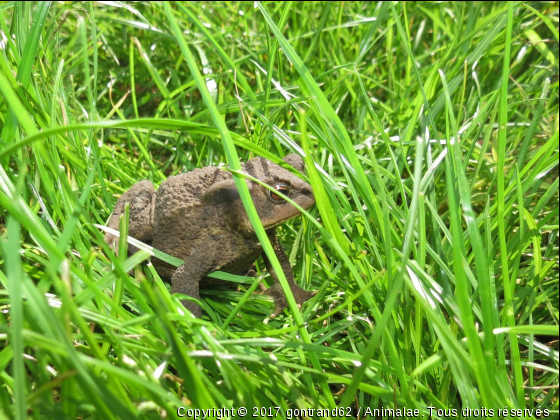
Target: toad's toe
[{"x": 280, "y": 302}]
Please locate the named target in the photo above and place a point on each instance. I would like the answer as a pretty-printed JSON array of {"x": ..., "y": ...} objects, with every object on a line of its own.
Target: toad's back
[
  {"x": 186, "y": 190},
  {"x": 181, "y": 222}
]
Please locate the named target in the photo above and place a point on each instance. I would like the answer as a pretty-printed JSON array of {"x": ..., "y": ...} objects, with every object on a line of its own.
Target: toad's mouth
[{"x": 286, "y": 213}]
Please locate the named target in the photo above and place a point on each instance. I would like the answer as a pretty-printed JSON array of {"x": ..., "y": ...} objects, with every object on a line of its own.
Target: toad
[{"x": 198, "y": 216}]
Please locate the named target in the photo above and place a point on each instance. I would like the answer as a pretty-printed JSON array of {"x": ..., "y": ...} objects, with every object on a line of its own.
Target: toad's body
[{"x": 198, "y": 216}]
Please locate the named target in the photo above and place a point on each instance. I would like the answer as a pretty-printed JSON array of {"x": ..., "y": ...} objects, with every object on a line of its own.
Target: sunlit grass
[{"x": 430, "y": 134}]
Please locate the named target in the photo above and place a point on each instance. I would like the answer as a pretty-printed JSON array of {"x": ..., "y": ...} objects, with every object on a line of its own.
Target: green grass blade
[
  {"x": 10, "y": 251},
  {"x": 509, "y": 315}
]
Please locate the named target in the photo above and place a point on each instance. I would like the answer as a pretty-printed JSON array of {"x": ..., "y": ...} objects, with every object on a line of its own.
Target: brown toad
[{"x": 199, "y": 217}]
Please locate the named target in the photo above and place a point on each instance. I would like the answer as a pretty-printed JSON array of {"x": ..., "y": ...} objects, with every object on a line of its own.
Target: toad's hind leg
[{"x": 141, "y": 198}]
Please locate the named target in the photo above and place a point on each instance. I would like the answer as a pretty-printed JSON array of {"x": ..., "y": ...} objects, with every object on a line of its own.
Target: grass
[{"x": 430, "y": 135}]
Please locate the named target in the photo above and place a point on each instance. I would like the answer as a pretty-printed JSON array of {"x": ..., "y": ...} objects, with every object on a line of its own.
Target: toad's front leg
[
  {"x": 280, "y": 302},
  {"x": 187, "y": 277}
]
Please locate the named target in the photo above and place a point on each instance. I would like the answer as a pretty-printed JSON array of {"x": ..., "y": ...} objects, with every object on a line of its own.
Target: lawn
[{"x": 430, "y": 136}]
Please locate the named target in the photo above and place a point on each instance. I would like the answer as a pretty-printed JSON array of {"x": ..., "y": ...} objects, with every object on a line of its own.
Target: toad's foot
[{"x": 280, "y": 302}]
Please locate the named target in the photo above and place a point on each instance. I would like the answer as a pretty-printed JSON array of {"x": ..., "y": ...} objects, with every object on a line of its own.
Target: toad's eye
[{"x": 281, "y": 187}]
